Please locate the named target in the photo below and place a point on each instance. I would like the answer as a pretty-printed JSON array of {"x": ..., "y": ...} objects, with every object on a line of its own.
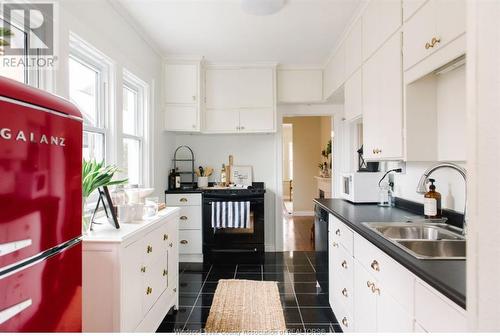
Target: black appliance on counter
[
  {"x": 321, "y": 246},
  {"x": 243, "y": 245}
]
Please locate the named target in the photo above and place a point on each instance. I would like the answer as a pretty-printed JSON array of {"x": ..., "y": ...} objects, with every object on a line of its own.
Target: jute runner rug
[{"x": 246, "y": 306}]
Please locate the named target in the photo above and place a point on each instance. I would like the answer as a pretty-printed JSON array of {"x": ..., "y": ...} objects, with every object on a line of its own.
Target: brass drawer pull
[
  {"x": 165, "y": 236},
  {"x": 171, "y": 244},
  {"x": 149, "y": 249},
  {"x": 344, "y": 292},
  {"x": 344, "y": 264},
  {"x": 375, "y": 266},
  {"x": 143, "y": 269},
  {"x": 428, "y": 45},
  {"x": 184, "y": 242},
  {"x": 375, "y": 290},
  {"x": 165, "y": 272},
  {"x": 183, "y": 218},
  {"x": 183, "y": 200},
  {"x": 149, "y": 290},
  {"x": 175, "y": 290},
  {"x": 345, "y": 322},
  {"x": 337, "y": 232},
  {"x": 334, "y": 244}
]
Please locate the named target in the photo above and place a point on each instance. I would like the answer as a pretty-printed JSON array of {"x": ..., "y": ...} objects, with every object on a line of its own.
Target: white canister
[
  {"x": 202, "y": 181},
  {"x": 138, "y": 211},
  {"x": 125, "y": 213}
]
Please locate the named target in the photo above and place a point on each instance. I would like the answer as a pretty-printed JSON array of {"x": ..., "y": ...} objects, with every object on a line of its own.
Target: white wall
[
  {"x": 449, "y": 183},
  {"x": 256, "y": 150},
  {"x": 101, "y": 25}
]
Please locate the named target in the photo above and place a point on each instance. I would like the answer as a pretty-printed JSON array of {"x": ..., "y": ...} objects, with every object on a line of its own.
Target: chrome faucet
[{"x": 422, "y": 188}]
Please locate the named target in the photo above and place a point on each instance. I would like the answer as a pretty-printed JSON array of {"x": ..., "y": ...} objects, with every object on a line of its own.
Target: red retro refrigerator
[{"x": 40, "y": 211}]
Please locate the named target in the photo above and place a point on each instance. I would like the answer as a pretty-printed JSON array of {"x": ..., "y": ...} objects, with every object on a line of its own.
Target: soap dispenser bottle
[{"x": 432, "y": 202}]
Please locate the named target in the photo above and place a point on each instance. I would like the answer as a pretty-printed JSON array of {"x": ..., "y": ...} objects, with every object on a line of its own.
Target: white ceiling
[{"x": 303, "y": 32}]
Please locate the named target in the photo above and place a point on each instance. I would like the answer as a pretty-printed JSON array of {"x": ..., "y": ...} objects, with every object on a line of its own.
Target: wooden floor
[{"x": 297, "y": 230}]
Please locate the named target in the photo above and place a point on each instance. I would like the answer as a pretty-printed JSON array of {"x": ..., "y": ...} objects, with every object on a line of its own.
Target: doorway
[{"x": 306, "y": 172}]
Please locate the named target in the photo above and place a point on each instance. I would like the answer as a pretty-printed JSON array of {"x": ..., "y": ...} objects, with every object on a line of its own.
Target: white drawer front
[
  {"x": 435, "y": 313},
  {"x": 183, "y": 199},
  {"x": 396, "y": 279},
  {"x": 190, "y": 242},
  {"x": 190, "y": 218},
  {"x": 343, "y": 293},
  {"x": 343, "y": 263},
  {"x": 342, "y": 234},
  {"x": 345, "y": 319}
]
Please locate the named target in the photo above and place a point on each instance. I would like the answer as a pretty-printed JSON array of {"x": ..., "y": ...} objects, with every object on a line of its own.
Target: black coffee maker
[{"x": 363, "y": 166}]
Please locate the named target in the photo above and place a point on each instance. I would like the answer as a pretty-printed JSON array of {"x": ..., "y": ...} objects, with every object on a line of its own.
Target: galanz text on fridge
[{"x": 8, "y": 134}]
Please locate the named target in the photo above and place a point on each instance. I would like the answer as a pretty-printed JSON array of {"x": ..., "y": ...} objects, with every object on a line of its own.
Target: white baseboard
[{"x": 303, "y": 213}]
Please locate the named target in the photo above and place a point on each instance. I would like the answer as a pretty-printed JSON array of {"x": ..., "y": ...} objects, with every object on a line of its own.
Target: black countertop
[{"x": 447, "y": 276}]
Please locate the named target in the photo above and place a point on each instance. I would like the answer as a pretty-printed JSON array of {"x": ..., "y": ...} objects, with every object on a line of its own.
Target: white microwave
[{"x": 361, "y": 187}]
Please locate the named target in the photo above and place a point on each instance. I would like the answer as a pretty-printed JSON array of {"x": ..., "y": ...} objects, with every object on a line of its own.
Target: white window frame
[
  {"x": 142, "y": 89},
  {"x": 88, "y": 55}
]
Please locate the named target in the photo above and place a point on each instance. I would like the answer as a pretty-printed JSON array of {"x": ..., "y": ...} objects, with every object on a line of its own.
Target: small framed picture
[
  {"x": 242, "y": 175},
  {"x": 109, "y": 209}
]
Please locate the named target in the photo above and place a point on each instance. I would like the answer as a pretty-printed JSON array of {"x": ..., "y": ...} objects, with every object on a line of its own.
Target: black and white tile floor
[{"x": 305, "y": 305}]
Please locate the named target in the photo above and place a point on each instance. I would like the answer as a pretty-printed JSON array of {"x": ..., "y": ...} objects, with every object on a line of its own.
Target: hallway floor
[
  {"x": 297, "y": 233},
  {"x": 305, "y": 305}
]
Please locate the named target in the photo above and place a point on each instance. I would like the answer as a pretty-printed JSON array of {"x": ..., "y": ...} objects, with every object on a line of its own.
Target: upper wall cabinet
[
  {"x": 353, "y": 49},
  {"x": 240, "y": 99},
  {"x": 380, "y": 20},
  {"x": 334, "y": 73},
  {"x": 182, "y": 96},
  {"x": 353, "y": 98},
  {"x": 383, "y": 103},
  {"x": 300, "y": 85},
  {"x": 434, "y": 26}
]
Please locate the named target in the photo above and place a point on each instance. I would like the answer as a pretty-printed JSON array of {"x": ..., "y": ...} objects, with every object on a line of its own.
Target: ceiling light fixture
[{"x": 262, "y": 7}]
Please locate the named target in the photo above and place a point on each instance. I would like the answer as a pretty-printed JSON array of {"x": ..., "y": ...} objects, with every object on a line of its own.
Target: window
[
  {"x": 134, "y": 119},
  {"x": 88, "y": 73},
  {"x": 18, "y": 39}
]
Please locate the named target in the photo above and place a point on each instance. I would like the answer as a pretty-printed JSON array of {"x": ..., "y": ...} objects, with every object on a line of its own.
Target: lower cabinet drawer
[
  {"x": 190, "y": 242},
  {"x": 342, "y": 263},
  {"x": 345, "y": 319},
  {"x": 182, "y": 199},
  {"x": 190, "y": 218},
  {"x": 435, "y": 313},
  {"x": 343, "y": 292}
]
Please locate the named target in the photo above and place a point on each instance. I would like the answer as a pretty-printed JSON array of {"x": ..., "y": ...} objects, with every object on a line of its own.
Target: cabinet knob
[
  {"x": 149, "y": 249},
  {"x": 344, "y": 264},
  {"x": 165, "y": 236},
  {"x": 334, "y": 244},
  {"x": 434, "y": 41},
  {"x": 375, "y": 265},
  {"x": 165, "y": 272},
  {"x": 428, "y": 45},
  {"x": 149, "y": 290},
  {"x": 184, "y": 242},
  {"x": 143, "y": 269},
  {"x": 337, "y": 232},
  {"x": 171, "y": 244},
  {"x": 183, "y": 218},
  {"x": 345, "y": 322},
  {"x": 175, "y": 290},
  {"x": 344, "y": 292},
  {"x": 183, "y": 200}
]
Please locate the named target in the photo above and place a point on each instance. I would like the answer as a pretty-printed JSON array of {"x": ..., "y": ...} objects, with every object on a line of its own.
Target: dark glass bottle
[
  {"x": 171, "y": 180},
  {"x": 432, "y": 202}
]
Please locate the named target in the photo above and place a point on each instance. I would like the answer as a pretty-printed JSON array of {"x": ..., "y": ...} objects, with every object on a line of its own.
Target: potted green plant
[{"x": 95, "y": 175}]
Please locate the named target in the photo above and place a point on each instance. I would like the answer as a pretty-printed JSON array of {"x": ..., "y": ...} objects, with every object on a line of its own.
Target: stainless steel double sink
[{"x": 423, "y": 240}]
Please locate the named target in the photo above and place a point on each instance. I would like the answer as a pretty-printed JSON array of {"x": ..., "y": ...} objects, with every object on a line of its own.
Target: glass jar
[{"x": 119, "y": 196}]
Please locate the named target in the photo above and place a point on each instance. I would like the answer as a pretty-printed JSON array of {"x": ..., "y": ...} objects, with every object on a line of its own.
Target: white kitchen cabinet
[
  {"x": 353, "y": 104},
  {"x": 240, "y": 100},
  {"x": 300, "y": 85},
  {"x": 130, "y": 275},
  {"x": 334, "y": 73},
  {"x": 353, "y": 49},
  {"x": 181, "y": 81},
  {"x": 410, "y": 7},
  {"x": 436, "y": 313},
  {"x": 365, "y": 301},
  {"x": 432, "y": 28},
  {"x": 383, "y": 103},
  {"x": 190, "y": 225},
  {"x": 381, "y": 19}
]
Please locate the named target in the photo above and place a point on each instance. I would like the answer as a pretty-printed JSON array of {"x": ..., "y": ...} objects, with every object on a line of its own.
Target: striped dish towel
[{"x": 230, "y": 215}]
